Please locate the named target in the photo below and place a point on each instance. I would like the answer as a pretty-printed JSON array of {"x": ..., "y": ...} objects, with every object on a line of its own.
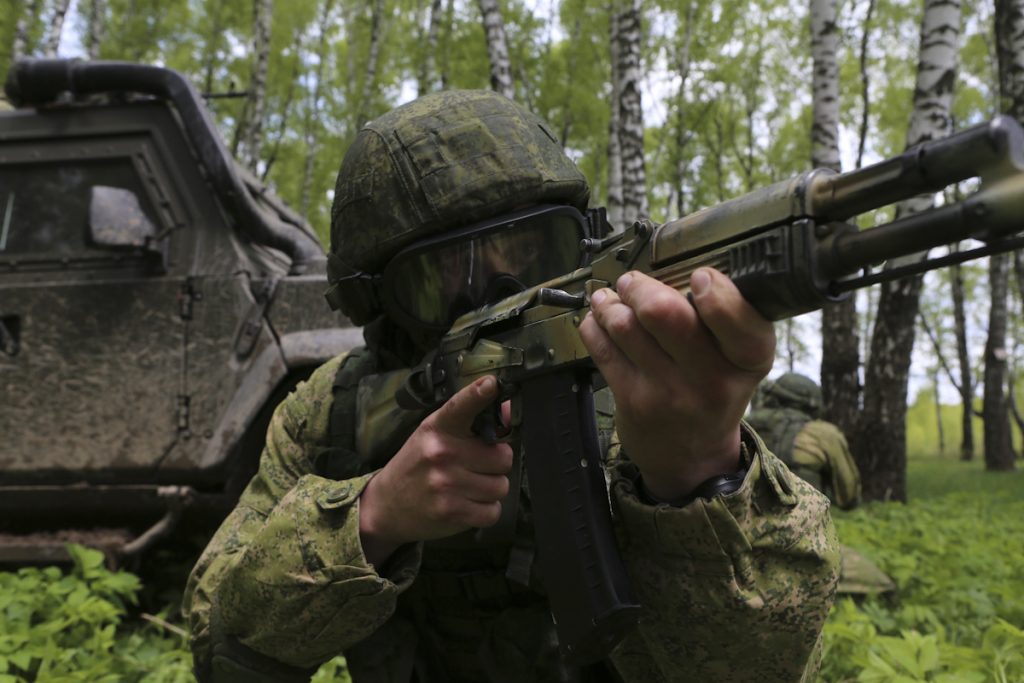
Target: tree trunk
[
  {"x": 95, "y": 28},
  {"x": 1009, "y": 29},
  {"x": 370, "y": 80},
  {"x": 938, "y": 411},
  {"x": 631, "y": 115},
  {"x": 615, "y": 211},
  {"x": 313, "y": 110},
  {"x": 880, "y": 444},
  {"x": 966, "y": 378},
  {"x": 252, "y": 127},
  {"x": 427, "y": 80},
  {"x": 682, "y": 135},
  {"x": 53, "y": 31},
  {"x": 864, "y": 83},
  {"x": 995, "y": 409},
  {"x": 840, "y": 356},
  {"x": 825, "y": 85},
  {"x": 446, "y": 51},
  {"x": 497, "y": 48},
  {"x": 211, "y": 48}
]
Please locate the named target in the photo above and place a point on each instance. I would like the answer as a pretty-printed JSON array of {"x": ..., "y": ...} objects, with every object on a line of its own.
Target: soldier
[
  {"x": 356, "y": 535},
  {"x": 787, "y": 419}
]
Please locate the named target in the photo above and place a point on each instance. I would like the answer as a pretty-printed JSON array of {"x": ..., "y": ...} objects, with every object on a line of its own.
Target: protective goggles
[{"x": 432, "y": 282}]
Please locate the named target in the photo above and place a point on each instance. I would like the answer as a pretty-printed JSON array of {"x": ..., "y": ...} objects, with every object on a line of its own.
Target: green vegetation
[
  {"x": 956, "y": 552},
  {"x": 68, "y": 627}
]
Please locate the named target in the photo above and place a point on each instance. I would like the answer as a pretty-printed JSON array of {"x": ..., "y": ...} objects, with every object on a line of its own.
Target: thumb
[{"x": 456, "y": 416}]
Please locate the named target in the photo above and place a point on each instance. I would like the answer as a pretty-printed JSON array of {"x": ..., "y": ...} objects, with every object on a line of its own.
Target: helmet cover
[{"x": 442, "y": 161}]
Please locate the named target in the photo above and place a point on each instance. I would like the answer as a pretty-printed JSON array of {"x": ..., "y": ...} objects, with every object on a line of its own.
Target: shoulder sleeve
[
  {"x": 285, "y": 577},
  {"x": 736, "y": 588}
]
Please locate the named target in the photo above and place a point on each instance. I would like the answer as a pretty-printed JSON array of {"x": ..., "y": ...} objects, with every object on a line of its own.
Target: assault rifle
[{"x": 790, "y": 248}]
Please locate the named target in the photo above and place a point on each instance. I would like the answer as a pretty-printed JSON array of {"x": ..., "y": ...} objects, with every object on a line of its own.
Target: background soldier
[
  {"x": 787, "y": 419},
  {"x": 357, "y": 534}
]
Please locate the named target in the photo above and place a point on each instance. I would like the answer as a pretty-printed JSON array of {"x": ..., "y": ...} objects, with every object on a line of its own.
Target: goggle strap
[{"x": 354, "y": 293}]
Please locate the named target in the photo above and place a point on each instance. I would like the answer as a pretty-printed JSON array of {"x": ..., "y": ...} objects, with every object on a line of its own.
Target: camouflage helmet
[
  {"x": 793, "y": 390},
  {"x": 445, "y": 160}
]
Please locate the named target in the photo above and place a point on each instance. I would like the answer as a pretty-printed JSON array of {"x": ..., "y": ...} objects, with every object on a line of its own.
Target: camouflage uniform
[
  {"x": 814, "y": 449},
  {"x": 734, "y": 588},
  {"x": 817, "y": 451}
]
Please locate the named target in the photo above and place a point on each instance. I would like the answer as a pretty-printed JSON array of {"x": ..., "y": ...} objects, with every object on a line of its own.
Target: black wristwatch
[{"x": 720, "y": 485}]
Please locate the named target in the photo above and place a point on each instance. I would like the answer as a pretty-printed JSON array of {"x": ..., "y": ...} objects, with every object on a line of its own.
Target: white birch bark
[
  {"x": 497, "y": 48},
  {"x": 840, "y": 357},
  {"x": 825, "y": 85},
  {"x": 615, "y": 212},
  {"x": 252, "y": 138},
  {"x": 631, "y": 114},
  {"x": 56, "y": 26},
  {"x": 373, "y": 54},
  {"x": 428, "y": 78},
  {"x": 880, "y": 445}
]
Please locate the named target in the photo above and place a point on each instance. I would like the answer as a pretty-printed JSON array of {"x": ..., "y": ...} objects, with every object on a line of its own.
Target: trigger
[{"x": 488, "y": 425}]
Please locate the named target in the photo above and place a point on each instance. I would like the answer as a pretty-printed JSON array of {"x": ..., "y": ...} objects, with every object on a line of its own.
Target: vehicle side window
[{"x": 44, "y": 207}]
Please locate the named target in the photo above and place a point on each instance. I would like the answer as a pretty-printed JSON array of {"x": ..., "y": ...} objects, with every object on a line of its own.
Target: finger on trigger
[{"x": 457, "y": 414}]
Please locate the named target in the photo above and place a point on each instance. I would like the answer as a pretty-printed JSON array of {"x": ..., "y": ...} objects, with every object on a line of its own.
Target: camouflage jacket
[{"x": 736, "y": 588}]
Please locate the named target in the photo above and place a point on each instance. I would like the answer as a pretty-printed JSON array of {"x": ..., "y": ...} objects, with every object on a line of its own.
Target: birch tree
[
  {"x": 497, "y": 48},
  {"x": 427, "y": 77},
  {"x": 372, "y": 57},
  {"x": 880, "y": 443},
  {"x": 966, "y": 384},
  {"x": 840, "y": 358},
  {"x": 631, "y": 114},
  {"x": 251, "y": 136},
  {"x": 682, "y": 135},
  {"x": 55, "y": 27},
  {"x": 312, "y": 119},
  {"x": 615, "y": 208},
  {"x": 1009, "y": 30},
  {"x": 94, "y": 29}
]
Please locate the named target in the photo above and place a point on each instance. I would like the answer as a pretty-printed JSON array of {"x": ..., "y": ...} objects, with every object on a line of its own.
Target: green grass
[{"x": 956, "y": 552}]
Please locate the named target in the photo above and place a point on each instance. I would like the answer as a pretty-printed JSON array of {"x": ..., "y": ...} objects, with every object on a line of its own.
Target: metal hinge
[
  {"x": 252, "y": 322},
  {"x": 183, "y": 412},
  {"x": 186, "y": 297}
]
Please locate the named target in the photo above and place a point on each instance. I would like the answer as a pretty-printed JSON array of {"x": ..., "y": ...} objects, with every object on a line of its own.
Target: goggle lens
[{"x": 435, "y": 285}]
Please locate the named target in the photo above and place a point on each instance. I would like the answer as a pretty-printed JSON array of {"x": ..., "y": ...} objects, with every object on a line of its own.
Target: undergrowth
[{"x": 956, "y": 552}]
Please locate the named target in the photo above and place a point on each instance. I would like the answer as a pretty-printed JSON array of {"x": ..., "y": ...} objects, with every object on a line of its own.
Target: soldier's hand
[
  {"x": 442, "y": 481},
  {"x": 682, "y": 374}
]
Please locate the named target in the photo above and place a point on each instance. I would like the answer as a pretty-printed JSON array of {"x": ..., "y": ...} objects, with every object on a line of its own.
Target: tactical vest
[
  {"x": 476, "y": 612},
  {"x": 778, "y": 428}
]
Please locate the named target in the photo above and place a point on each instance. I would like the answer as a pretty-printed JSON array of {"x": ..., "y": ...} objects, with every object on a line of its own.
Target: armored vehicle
[{"x": 156, "y": 302}]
